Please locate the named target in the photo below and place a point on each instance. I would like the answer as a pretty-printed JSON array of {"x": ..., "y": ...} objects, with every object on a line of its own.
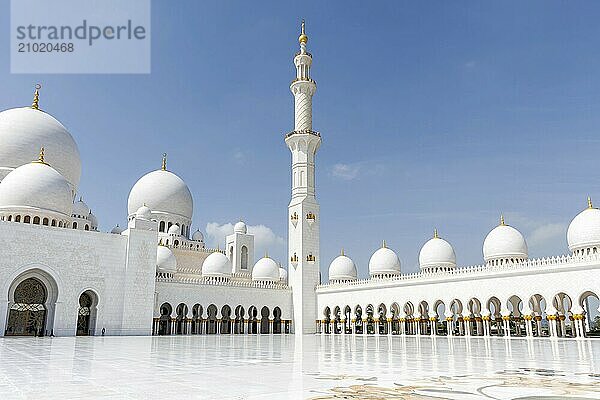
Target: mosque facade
[{"x": 59, "y": 275}]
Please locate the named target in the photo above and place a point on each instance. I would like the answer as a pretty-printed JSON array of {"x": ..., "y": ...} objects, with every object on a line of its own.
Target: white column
[{"x": 449, "y": 326}]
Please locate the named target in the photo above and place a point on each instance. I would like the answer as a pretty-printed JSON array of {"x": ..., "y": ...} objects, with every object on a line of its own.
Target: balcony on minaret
[
  {"x": 311, "y": 217},
  {"x": 310, "y": 259},
  {"x": 303, "y": 132}
]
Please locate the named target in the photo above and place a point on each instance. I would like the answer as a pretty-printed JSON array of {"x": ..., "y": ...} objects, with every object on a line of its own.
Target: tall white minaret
[{"x": 303, "y": 231}]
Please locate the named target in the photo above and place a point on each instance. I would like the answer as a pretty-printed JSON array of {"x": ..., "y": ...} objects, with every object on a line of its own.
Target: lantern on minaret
[{"x": 303, "y": 210}]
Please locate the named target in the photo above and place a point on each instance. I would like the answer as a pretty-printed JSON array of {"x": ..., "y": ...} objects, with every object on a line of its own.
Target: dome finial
[
  {"x": 502, "y": 220},
  {"x": 303, "y": 38},
  {"x": 590, "y": 202},
  {"x": 36, "y": 97},
  {"x": 342, "y": 252},
  {"x": 41, "y": 157},
  {"x": 435, "y": 233},
  {"x": 164, "y": 162},
  {"x": 267, "y": 254},
  {"x": 383, "y": 246}
]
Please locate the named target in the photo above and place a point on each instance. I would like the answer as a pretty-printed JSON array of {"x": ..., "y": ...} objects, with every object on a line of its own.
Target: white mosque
[{"x": 154, "y": 275}]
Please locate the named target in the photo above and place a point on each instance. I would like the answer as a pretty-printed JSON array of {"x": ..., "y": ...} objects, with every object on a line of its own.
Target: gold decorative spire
[
  {"x": 267, "y": 254},
  {"x": 383, "y": 244},
  {"x": 36, "y": 97},
  {"x": 435, "y": 234},
  {"x": 302, "y": 38},
  {"x": 502, "y": 220},
  {"x": 342, "y": 252},
  {"x": 590, "y": 202},
  {"x": 164, "y": 162},
  {"x": 41, "y": 157}
]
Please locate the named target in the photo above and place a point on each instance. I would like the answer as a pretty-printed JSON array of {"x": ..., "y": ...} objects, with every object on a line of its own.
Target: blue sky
[{"x": 442, "y": 115}]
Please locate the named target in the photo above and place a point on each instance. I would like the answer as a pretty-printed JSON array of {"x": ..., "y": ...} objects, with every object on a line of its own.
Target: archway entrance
[
  {"x": 86, "y": 315},
  {"x": 27, "y": 315},
  {"x": 164, "y": 324}
]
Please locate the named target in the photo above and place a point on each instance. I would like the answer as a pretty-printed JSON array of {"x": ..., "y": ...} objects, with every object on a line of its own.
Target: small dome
[
  {"x": 342, "y": 268},
  {"x": 36, "y": 186},
  {"x": 384, "y": 262},
  {"x": 265, "y": 269},
  {"x": 283, "y": 275},
  {"x": 437, "y": 253},
  {"x": 165, "y": 260},
  {"x": 93, "y": 220},
  {"x": 198, "y": 236},
  {"x": 174, "y": 230},
  {"x": 143, "y": 212},
  {"x": 23, "y": 130},
  {"x": 504, "y": 243},
  {"x": 163, "y": 192},
  {"x": 117, "y": 230},
  {"x": 584, "y": 230},
  {"x": 240, "y": 227},
  {"x": 80, "y": 209},
  {"x": 216, "y": 264}
]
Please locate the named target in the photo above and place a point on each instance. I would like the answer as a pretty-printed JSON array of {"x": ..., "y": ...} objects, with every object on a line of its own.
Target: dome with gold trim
[
  {"x": 36, "y": 188},
  {"x": 24, "y": 130},
  {"x": 583, "y": 235}
]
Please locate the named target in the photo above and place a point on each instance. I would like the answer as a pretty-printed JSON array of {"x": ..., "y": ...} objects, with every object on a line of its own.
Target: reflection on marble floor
[{"x": 286, "y": 367}]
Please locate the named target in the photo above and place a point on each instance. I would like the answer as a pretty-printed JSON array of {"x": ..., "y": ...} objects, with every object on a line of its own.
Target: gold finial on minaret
[
  {"x": 36, "y": 97},
  {"x": 435, "y": 233},
  {"x": 267, "y": 254},
  {"x": 590, "y": 202},
  {"x": 302, "y": 38},
  {"x": 383, "y": 246},
  {"x": 502, "y": 220},
  {"x": 342, "y": 252},
  {"x": 164, "y": 162}
]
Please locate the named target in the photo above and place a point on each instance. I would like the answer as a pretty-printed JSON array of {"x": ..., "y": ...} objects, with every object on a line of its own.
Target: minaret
[{"x": 303, "y": 215}]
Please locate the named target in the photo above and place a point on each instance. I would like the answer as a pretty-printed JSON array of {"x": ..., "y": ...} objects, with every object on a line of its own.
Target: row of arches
[
  {"x": 533, "y": 316},
  {"x": 164, "y": 226},
  {"x": 212, "y": 320},
  {"x": 36, "y": 220},
  {"x": 32, "y": 300}
]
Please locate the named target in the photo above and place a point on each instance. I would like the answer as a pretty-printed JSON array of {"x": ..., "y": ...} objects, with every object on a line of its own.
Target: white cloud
[
  {"x": 345, "y": 172},
  {"x": 348, "y": 172},
  {"x": 239, "y": 156},
  {"x": 547, "y": 236},
  {"x": 265, "y": 240}
]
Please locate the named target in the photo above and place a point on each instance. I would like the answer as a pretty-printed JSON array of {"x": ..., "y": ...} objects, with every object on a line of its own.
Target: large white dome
[
  {"x": 437, "y": 253},
  {"x": 36, "y": 186},
  {"x": 216, "y": 264},
  {"x": 384, "y": 262},
  {"x": 342, "y": 268},
  {"x": 24, "y": 130},
  {"x": 584, "y": 230},
  {"x": 504, "y": 243},
  {"x": 265, "y": 269},
  {"x": 162, "y": 191},
  {"x": 165, "y": 260}
]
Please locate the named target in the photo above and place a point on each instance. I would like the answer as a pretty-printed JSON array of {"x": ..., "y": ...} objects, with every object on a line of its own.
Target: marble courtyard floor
[{"x": 289, "y": 367}]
